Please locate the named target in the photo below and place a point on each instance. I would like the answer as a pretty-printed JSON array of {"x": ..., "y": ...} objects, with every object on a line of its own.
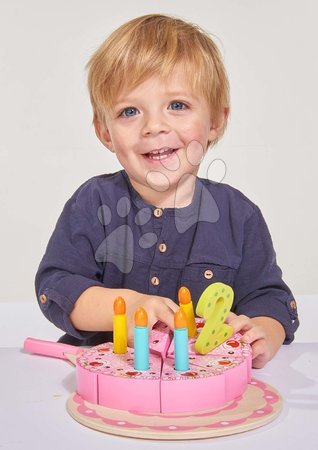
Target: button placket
[
  {"x": 162, "y": 246},
  {"x": 160, "y": 223}
]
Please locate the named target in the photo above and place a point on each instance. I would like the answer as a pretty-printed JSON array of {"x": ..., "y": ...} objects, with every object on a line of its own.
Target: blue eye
[
  {"x": 179, "y": 106},
  {"x": 128, "y": 112}
]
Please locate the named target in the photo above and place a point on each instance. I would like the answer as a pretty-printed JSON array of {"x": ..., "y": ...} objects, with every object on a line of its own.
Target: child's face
[{"x": 158, "y": 115}]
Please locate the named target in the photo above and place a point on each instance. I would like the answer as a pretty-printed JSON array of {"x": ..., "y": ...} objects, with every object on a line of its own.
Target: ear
[
  {"x": 103, "y": 134},
  {"x": 218, "y": 125}
]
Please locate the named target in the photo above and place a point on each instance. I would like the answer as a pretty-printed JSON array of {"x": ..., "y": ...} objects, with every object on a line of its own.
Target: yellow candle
[
  {"x": 186, "y": 304},
  {"x": 120, "y": 326}
]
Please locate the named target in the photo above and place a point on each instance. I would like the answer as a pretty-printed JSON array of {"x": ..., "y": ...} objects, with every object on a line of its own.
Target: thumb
[{"x": 231, "y": 315}]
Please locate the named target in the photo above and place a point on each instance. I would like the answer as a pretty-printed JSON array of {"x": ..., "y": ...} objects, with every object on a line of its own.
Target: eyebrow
[
  {"x": 168, "y": 94},
  {"x": 180, "y": 93}
]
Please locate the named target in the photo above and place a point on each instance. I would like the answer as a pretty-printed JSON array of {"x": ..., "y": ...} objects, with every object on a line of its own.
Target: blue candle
[
  {"x": 141, "y": 340},
  {"x": 181, "y": 351}
]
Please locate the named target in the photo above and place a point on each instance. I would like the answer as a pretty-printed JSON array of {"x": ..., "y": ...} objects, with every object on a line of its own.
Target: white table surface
[{"x": 34, "y": 391}]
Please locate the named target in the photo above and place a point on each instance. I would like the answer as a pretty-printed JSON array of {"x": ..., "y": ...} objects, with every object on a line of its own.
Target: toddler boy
[{"x": 160, "y": 97}]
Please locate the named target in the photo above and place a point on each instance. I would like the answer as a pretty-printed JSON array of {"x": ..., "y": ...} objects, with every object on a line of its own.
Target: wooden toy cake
[
  {"x": 200, "y": 369},
  {"x": 109, "y": 379},
  {"x": 108, "y": 375},
  {"x": 193, "y": 378}
]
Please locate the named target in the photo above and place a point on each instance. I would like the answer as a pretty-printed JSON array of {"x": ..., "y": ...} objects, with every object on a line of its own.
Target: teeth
[
  {"x": 155, "y": 152},
  {"x": 158, "y": 154}
]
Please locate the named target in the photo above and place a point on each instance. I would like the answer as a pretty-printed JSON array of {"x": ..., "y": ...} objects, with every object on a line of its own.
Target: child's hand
[
  {"x": 157, "y": 308},
  {"x": 263, "y": 333}
]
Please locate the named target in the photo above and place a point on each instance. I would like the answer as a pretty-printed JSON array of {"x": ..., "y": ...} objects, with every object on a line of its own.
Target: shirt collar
[{"x": 182, "y": 213}]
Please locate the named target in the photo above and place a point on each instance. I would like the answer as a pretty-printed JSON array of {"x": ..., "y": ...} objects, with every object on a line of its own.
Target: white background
[{"x": 48, "y": 146}]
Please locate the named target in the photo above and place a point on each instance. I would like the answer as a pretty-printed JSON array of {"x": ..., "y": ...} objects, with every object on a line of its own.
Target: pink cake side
[
  {"x": 193, "y": 390},
  {"x": 110, "y": 380},
  {"x": 213, "y": 379}
]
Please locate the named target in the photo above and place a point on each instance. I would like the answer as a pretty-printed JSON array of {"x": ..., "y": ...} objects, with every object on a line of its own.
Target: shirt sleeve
[
  {"x": 68, "y": 266},
  {"x": 259, "y": 287}
]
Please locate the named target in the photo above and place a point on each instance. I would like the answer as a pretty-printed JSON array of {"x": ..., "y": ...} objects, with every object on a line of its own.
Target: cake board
[{"x": 259, "y": 405}]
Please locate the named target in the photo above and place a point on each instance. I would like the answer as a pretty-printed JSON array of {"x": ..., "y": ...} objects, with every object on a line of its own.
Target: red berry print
[
  {"x": 232, "y": 343},
  {"x": 132, "y": 374},
  {"x": 189, "y": 374},
  {"x": 224, "y": 363}
]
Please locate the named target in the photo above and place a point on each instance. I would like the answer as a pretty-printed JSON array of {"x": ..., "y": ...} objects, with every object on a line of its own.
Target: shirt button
[
  {"x": 157, "y": 212},
  {"x": 162, "y": 247},
  {"x": 43, "y": 298},
  {"x": 155, "y": 281},
  {"x": 208, "y": 274},
  {"x": 293, "y": 304}
]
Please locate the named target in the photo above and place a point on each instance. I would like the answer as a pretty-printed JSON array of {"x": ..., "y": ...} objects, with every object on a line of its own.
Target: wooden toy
[
  {"x": 257, "y": 406},
  {"x": 55, "y": 349},
  {"x": 214, "y": 305},
  {"x": 111, "y": 380},
  {"x": 185, "y": 302},
  {"x": 159, "y": 339},
  {"x": 245, "y": 408},
  {"x": 181, "y": 341},
  {"x": 182, "y": 389},
  {"x": 141, "y": 340},
  {"x": 120, "y": 326}
]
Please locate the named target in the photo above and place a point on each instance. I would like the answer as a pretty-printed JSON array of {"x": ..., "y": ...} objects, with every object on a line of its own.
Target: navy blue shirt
[{"x": 107, "y": 235}]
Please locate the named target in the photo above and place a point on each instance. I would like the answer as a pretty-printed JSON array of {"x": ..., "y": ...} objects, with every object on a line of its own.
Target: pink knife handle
[{"x": 49, "y": 348}]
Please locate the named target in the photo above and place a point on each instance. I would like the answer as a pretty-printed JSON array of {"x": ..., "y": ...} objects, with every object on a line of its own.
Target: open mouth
[{"x": 158, "y": 155}]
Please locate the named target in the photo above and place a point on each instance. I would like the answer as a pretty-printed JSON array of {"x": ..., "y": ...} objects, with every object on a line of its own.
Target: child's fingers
[
  {"x": 165, "y": 314},
  {"x": 130, "y": 340},
  {"x": 260, "y": 354},
  {"x": 244, "y": 324},
  {"x": 239, "y": 323},
  {"x": 231, "y": 315},
  {"x": 255, "y": 333},
  {"x": 171, "y": 304}
]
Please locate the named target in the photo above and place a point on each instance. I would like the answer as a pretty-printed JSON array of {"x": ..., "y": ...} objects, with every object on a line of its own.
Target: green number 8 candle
[{"x": 214, "y": 305}]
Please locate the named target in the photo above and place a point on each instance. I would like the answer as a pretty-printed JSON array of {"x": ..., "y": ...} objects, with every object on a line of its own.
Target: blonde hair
[{"x": 152, "y": 45}]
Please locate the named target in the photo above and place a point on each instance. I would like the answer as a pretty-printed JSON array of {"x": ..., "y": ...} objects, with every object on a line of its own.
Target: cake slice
[
  {"x": 160, "y": 339},
  {"x": 109, "y": 379}
]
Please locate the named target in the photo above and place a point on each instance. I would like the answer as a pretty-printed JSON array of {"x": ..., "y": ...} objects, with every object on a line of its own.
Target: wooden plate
[{"x": 259, "y": 405}]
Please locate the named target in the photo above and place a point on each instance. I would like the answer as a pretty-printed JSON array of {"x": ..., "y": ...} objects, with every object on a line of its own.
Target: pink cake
[{"x": 110, "y": 380}]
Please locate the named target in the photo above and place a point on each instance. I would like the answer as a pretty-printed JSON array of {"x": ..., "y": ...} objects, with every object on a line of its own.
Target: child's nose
[{"x": 154, "y": 124}]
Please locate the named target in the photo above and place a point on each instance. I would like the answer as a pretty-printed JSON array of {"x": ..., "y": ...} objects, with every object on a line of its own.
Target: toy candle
[
  {"x": 186, "y": 304},
  {"x": 120, "y": 326},
  {"x": 181, "y": 352},
  {"x": 141, "y": 340}
]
